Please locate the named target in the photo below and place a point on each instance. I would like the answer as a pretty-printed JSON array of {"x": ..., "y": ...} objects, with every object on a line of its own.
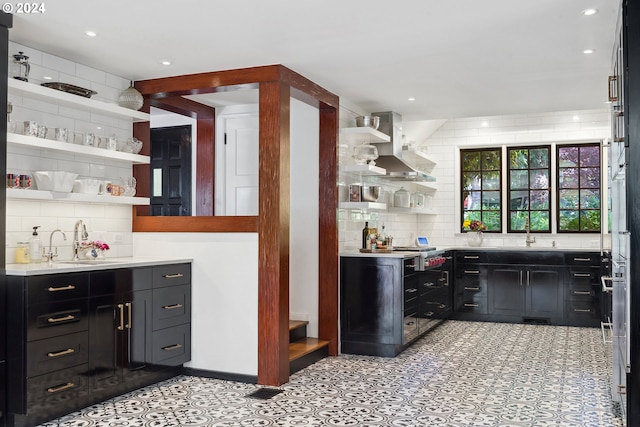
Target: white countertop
[
  {"x": 395, "y": 254},
  {"x": 67, "y": 266}
]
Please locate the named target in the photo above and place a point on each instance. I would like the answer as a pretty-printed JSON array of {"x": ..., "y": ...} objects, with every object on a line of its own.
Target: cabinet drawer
[
  {"x": 171, "y": 346},
  {"x": 586, "y": 294},
  {"x": 588, "y": 258},
  {"x": 171, "y": 306},
  {"x": 53, "y": 354},
  {"x": 57, "y": 287},
  {"x": 59, "y": 318},
  {"x": 581, "y": 309},
  {"x": 53, "y": 391},
  {"x": 473, "y": 305},
  {"x": 473, "y": 257},
  {"x": 170, "y": 275}
]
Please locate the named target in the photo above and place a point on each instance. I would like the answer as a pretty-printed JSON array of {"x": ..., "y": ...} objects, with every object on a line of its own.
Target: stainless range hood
[{"x": 390, "y": 153}]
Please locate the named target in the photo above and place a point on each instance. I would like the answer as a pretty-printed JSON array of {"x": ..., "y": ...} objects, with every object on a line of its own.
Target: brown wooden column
[
  {"x": 273, "y": 234},
  {"x": 205, "y": 166},
  {"x": 328, "y": 232}
]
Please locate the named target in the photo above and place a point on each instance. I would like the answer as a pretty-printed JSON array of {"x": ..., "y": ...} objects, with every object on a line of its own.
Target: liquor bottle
[{"x": 365, "y": 235}]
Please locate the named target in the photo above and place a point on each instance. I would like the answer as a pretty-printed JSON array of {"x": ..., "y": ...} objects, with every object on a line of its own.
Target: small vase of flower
[
  {"x": 94, "y": 249},
  {"x": 474, "y": 231}
]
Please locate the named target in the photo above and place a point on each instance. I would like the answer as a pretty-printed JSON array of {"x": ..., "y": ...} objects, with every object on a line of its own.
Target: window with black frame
[
  {"x": 529, "y": 190},
  {"x": 579, "y": 188},
  {"x": 481, "y": 195}
]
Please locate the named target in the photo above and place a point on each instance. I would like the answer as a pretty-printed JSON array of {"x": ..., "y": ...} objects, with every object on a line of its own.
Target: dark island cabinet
[
  {"x": 385, "y": 304},
  {"x": 81, "y": 338}
]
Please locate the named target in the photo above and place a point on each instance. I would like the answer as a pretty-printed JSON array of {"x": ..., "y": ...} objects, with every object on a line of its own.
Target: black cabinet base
[{"x": 60, "y": 407}]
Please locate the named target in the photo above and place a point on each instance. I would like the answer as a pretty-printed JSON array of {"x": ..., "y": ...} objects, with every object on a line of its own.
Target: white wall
[
  {"x": 111, "y": 223},
  {"x": 224, "y": 328},
  {"x": 549, "y": 128},
  {"x": 303, "y": 259},
  {"x": 443, "y": 146}
]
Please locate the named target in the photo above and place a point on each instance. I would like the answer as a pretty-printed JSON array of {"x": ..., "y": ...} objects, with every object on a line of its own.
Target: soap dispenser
[{"x": 36, "y": 253}]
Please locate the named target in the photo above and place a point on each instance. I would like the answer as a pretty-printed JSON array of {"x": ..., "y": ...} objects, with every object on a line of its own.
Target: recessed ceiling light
[
  {"x": 48, "y": 78},
  {"x": 91, "y": 33},
  {"x": 412, "y": 99},
  {"x": 588, "y": 51},
  {"x": 166, "y": 62},
  {"x": 589, "y": 12}
]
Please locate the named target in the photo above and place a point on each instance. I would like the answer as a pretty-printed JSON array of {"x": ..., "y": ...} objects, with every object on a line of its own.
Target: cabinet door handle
[
  {"x": 173, "y": 276},
  {"x": 171, "y": 307},
  {"x": 581, "y": 293},
  {"x": 128, "y": 325},
  {"x": 61, "y": 353},
  {"x": 471, "y": 256},
  {"x": 521, "y": 282},
  {"x": 472, "y": 272},
  {"x": 581, "y": 275},
  {"x": 582, "y": 310},
  {"x": 121, "y": 315},
  {"x": 470, "y": 288},
  {"x": 612, "y": 92},
  {"x": 59, "y": 388},
  {"x": 61, "y": 319},
  {"x": 472, "y": 305},
  {"x": 528, "y": 278},
  {"x": 61, "y": 288},
  {"x": 172, "y": 347},
  {"x": 582, "y": 259}
]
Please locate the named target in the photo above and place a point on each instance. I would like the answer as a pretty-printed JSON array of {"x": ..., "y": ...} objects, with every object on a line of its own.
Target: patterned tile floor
[{"x": 462, "y": 374}]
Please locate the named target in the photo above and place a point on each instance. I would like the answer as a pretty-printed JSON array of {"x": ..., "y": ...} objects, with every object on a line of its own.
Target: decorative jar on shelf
[{"x": 474, "y": 238}]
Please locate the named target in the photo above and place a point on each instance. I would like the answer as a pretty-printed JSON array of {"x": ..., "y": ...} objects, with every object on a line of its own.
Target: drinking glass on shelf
[{"x": 129, "y": 186}]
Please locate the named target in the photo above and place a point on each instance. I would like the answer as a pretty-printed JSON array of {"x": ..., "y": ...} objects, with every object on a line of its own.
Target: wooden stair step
[
  {"x": 295, "y": 324},
  {"x": 305, "y": 346}
]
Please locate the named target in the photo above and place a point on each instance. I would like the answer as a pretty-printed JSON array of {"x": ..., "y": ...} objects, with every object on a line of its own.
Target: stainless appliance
[
  {"x": 427, "y": 259},
  {"x": 620, "y": 284}
]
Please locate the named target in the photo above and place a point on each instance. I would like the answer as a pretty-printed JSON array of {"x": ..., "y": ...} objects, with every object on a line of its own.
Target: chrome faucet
[
  {"x": 79, "y": 234},
  {"x": 51, "y": 254},
  {"x": 529, "y": 240}
]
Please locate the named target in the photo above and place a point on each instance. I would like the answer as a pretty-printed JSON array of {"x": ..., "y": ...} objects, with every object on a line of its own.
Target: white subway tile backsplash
[
  {"x": 91, "y": 74},
  {"x": 63, "y": 66}
]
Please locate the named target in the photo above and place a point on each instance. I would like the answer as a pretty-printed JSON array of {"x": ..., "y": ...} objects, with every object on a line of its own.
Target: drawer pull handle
[
  {"x": 172, "y": 347},
  {"x": 173, "y": 276},
  {"x": 582, "y": 259},
  {"x": 472, "y": 305},
  {"x": 411, "y": 290},
  {"x": 61, "y": 353},
  {"x": 171, "y": 307},
  {"x": 61, "y": 319},
  {"x": 62, "y": 288},
  {"x": 581, "y": 275},
  {"x": 59, "y": 388},
  {"x": 469, "y": 288},
  {"x": 471, "y": 256},
  {"x": 472, "y": 272},
  {"x": 581, "y": 293},
  {"x": 582, "y": 310}
]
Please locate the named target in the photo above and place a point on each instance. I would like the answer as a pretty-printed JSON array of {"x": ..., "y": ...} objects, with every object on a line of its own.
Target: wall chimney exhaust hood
[{"x": 390, "y": 153}]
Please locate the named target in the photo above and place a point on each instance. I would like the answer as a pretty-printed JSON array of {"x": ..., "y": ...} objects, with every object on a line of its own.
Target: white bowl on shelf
[
  {"x": 55, "y": 180},
  {"x": 87, "y": 186}
]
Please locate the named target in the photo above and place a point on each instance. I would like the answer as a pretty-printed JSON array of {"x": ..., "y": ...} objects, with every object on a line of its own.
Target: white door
[{"x": 241, "y": 160}]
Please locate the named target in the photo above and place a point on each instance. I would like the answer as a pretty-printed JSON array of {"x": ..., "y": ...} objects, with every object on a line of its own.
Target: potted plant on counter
[{"x": 474, "y": 229}]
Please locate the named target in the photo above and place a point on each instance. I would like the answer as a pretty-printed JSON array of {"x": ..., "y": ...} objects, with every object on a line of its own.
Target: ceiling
[{"x": 457, "y": 58}]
